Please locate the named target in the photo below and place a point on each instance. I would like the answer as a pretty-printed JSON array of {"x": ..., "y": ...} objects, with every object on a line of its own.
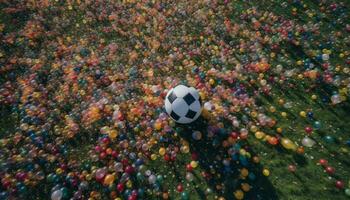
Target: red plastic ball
[
  {"x": 308, "y": 129},
  {"x": 330, "y": 170},
  {"x": 103, "y": 155},
  {"x": 120, "y": 187},
  {"x": 125, "y": 162},
  {"x": 129, "y": 169},
  {"x": 194, "y": 156},
  {"x": 98, "y": 148},
  {"x": 323, "y": 162},
  {"x": 339, "y": 184},
  {"x": 105, "y": 140},
  {"x": 292, "y": 168},
  {"x": 179, "y": 188},
  {"x": 166, "y": 157},
  {"x": 114, "y": 153},
  {"x": 189, "y": 167}
]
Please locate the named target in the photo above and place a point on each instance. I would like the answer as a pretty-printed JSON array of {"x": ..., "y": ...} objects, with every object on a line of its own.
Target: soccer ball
[{"x": 183, "y": 104}]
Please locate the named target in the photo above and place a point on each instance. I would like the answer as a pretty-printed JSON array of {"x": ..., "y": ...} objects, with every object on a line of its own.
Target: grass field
[{"x": 59, "y": 60}]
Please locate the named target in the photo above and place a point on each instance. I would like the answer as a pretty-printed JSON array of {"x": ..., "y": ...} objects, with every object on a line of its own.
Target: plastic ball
[
  {"x": 162, "y": 151},
  {"x": 179, "y": 188},
  {"x": 284, "y": 114},
  {"x": 109, "y": 179},
  {"x": 184, "y": 196},
  {"x": 347, "y": 192},
  {"x": 279, "y": 130},
  {"x": 292, "y": 168},
  {"x": 152, "y": 179},
  {"x": 266, "y": 172},
  {"x": 189, "y": 176},
  {"x": 196, "y": 135},
  {"x": 100, "y": 174},
  {"x": 245, "y": 187},
  {"x": 317, "y": 125},
  {"x": 153, "y": 157},
  {"x": 336, "y": 99},
  {"x": 339, "y": 184},
  {"x": 239, "y": 194},
  {"x": 330, "y": 170},
  {"x": 259, "y": 134},
  {"x": 308, "y": 142},
  {"x": 120, "y": 187},
  {"x": 57, "y": 195},
  {"x": 129, "y": 184},
  {"x": 208, "y": 106},
  {"x": 273, "y": 140},
  {"x": 157, "y": 125},
  {"x": 308, "y": 129},
  {"x": 323, "y": 162},
  {"x": 194, "y": 164},
  {"x": 244, "y": 172},
  {"x": 325, "y": 57},
  {"x": 288, "y": 144},
  {"x": 112, "y": 134},
  {"x": 185, "y": 149}
]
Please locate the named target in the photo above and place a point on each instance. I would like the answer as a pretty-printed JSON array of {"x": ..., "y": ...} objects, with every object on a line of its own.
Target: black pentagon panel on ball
[
  {"x": 189, "y": 99},
  {"x": 200, "y": 100},
  {"x": 172, "y": 96},
  {"x": 190, "y": 114},
  {"x": 174, "y": 115}
]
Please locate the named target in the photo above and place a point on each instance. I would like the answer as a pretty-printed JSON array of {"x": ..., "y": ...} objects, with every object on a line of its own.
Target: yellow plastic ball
[
  {"x": 88, "y": 177},
  {"x": 313, "y": 97},
  {"x": 185, "y": 149},
  {"x": 59, "y": 171},
  {"x": 153, "y": 156},
  {"x": 279, "y": 130},
  {"x": 244, "y": 172},
  {"x": 239, "y": 194},
  {"x": 211, "y": 81},
  {"x": 109, "y": 179},
  {"x": 157, "y": 126},
  {"x": 253, "y": 129},
  {"x": 302, "y": 114},
  {"x": 162, "y": 151},
  {"x": 259, "y": 134},
  {"x": 284, "y": 114},
  {"x": 112, "y": 134},
  {"x": 272, "y": 109},
  {"x": 194, "y": 164},
  {"x": 288, "y": 144},
  {"x": 129, "y": 184},
  {"x": 245, "y": 187},
  {"x": 202, "y": 94},
  {"x": 281, "y": 101},
  {"x": 242, "y": 152},
  {"x": 266, "y": 172},
  {"x": 254, "y": 114}
]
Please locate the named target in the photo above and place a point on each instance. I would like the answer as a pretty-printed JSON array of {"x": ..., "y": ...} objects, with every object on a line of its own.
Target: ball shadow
[{"x": 225, "y": 179}]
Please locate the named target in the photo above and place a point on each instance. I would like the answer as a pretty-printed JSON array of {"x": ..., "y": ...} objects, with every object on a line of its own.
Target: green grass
[{"x": 307, "y": 183}]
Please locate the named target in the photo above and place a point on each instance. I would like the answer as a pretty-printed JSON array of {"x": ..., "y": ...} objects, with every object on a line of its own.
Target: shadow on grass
[{"x": 225, "y": 180}]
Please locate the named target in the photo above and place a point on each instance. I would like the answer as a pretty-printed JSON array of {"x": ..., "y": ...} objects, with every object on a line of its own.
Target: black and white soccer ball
[{"x": 183, "y": 104}]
